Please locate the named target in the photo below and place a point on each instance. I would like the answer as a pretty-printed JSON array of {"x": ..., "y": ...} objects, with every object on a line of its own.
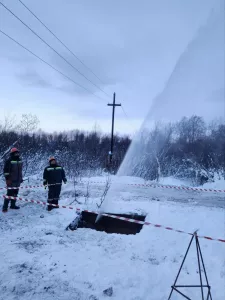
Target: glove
[
  {"x": 45, "y": 184},
  {"x": 8, "y": 182}
]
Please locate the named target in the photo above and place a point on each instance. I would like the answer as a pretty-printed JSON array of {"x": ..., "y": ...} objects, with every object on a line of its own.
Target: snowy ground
[{"x": 40, "y": 260}]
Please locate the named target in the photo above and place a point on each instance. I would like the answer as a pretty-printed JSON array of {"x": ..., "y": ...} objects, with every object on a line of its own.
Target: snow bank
[
  {"x": 219, "y": 183},
  {"x": 40, "y": 260},
  {"x": 172, "y": 181}
]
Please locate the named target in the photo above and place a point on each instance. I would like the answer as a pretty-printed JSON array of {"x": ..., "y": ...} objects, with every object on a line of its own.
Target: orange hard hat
[
  {"x": 51, "y": 158},
  {"x": 13, "y": 150}
]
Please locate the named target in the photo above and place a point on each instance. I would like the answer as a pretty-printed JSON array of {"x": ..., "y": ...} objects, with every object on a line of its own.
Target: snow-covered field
[{"x": 40, "y": 260}]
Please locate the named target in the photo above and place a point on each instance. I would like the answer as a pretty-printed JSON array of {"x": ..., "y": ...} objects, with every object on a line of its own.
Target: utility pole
[{"x": 112, "y": 133}]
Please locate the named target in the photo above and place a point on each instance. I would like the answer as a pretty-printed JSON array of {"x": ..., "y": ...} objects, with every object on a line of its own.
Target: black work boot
[
  {"x": 5, "y": 205},
  {"x": 14, "y": 207},
  {"x": 56, "y": 202},
  {"x": 49, "y": 208}
]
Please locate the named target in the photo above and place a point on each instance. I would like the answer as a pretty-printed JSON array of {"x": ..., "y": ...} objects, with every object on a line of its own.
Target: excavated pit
[{"x": 110, "y": 225}]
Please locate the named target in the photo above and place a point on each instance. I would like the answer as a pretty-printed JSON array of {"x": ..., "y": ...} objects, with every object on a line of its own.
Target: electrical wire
[
  {"x": 58, "y": 39},
  {"x": 124, "y": 112},
  {"x": 126, "y": 115},
  {"x": 51, "y": 47},
  {"x": 48, "y": 64}
]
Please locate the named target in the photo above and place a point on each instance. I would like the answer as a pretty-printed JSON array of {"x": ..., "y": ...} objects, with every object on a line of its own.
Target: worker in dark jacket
[
  {"x": 13, "y": 177},
  {"x": 53, "y": 177}
]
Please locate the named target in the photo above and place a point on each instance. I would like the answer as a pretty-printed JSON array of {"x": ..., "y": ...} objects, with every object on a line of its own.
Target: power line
[
  {"x": 51, "y": 47},
  {"x": 125, "y": 112},
  {"x": 129, "y": 119},
  {"x": 126, "y": 115},
  {"x": 48, "y": 64},
  {"x": 58, "y": 39}
]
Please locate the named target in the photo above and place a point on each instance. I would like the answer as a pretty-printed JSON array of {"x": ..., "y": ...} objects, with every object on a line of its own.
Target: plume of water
[{"x": 195, "y": 87}]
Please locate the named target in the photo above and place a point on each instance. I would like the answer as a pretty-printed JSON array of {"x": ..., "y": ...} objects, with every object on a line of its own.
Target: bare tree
[
  {"x": 191, "y": 129},
  {"x": 28, "y": 123},
  {"x": 9, "y": 124}
]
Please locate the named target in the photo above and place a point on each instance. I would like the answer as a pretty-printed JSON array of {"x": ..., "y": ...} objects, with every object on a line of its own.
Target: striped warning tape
[
  {"x": 113, "y": 216},
  {"x": 186, "y": 188},
  {"x": 160, "y": 226},
  {"x": 155, "y": 185},
  {"x": 38, "y": 202},
  {"x": 28, "y": 186}
]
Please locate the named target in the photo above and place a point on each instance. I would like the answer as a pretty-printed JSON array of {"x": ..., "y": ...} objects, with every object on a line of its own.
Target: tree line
[
  {"x": 81, "y": 153},
  {"x": 188, "y": 149}
]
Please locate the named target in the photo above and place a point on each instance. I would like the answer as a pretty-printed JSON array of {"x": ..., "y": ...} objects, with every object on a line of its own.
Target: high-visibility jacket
[
  {"x": 54, "y": 174},
  {"x": 13, "y": 171}
]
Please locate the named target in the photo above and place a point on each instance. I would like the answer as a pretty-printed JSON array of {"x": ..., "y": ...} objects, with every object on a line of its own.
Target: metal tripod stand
[{"x": 176, "y": 287}]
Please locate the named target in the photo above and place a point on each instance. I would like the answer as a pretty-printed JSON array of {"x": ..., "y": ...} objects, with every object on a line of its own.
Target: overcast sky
[{"x": 132, "y": 46}]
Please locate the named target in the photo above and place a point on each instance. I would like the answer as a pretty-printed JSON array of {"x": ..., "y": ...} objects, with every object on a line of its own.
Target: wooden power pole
[{"x": 112, "y": 133}]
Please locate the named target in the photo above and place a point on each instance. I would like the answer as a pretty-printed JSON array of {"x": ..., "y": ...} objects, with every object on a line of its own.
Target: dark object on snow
[
  {"x": 203, "y": 178},
  {"x": 107, "y": 224},
  {"x": 53, "y": 176},
  {"x": 92, "y": 297},
  {"x": 108, "y": 292},
  {"x": 42, "y": 216},
  {"x": 74, "y": 224},
  {"x": 48, "y": 233}
]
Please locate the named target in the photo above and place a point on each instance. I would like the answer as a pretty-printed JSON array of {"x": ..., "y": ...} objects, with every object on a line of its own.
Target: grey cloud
[
  {"x": 91, "y": 83},
  {"x": 32, "y": 78},
  {"x": 72, "y": 89},
  {"x": 132, "y": 46}
]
